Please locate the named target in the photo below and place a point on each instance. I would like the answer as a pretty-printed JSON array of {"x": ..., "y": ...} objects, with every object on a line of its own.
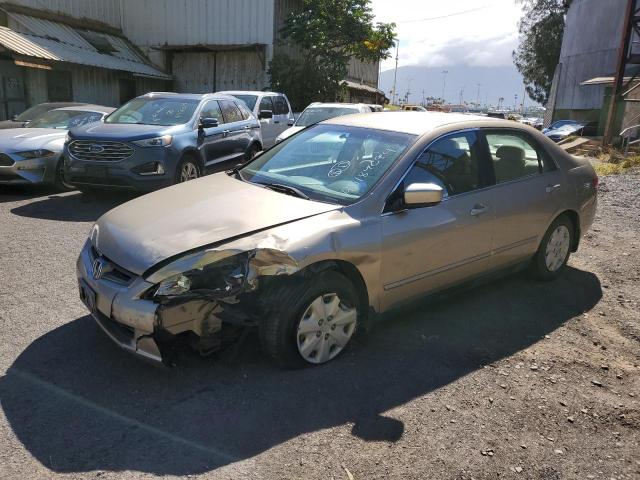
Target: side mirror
[
  {"x": 14, "y": 118},
  {"x": 422, "y": 195},
  {"x": 208, "y": 123},
  {"x": 265, "y": 114},
  {"x": 291, "y": 123}
]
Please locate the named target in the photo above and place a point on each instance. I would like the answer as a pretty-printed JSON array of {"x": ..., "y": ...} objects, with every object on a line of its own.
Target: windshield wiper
[{"x": 286, "y": 189}]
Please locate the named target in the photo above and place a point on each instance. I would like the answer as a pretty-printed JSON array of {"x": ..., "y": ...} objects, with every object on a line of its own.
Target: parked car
[
  {"x": 501, "y": 115},
  {"x": 21, "y": 120},
  {"x": 559, "y": 123},
  {"x": 160, "y": 139},
  {"x": 414, "y": 108},
  {"x": 573, "y": 129},
  {"x": 271, "y": 108},
  {"x": 318, "y": 112},
  {"x": 34, "y": 154},
  {"x": 350, "y": 217},
  {"x": 374, "y": 107}
]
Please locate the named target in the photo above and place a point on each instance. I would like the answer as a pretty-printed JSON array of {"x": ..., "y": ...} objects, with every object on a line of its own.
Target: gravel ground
[{"x": 515, "y": 379}]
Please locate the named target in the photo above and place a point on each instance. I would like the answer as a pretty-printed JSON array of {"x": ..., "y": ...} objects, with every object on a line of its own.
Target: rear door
[
  {"x": 235, "y": 136},
  {"x": 528, "y": 191},
  {"x": 425, "y": 249},
  {"x": 270, "y": 129}
]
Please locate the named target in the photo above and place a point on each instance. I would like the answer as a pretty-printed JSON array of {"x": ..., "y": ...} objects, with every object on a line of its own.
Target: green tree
[
  {"x": 541, "y": 29},
  {"x": 325, "y": 35}
]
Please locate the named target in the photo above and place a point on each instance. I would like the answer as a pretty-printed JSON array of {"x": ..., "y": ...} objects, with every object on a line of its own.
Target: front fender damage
[{"x": 211, "y": 318}]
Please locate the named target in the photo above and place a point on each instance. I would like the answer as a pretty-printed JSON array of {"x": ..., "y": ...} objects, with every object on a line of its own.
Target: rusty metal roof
[{"x": 53, "y": 41}]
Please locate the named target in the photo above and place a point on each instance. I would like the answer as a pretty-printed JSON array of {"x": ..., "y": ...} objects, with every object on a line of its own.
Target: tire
[
  {"x": 251, "y": 152},
  {"x": 59, "y": 182},
  {"x": 319, "y": 315},
  {"x": 192, "y": 166},
  {"x": 552, "y": 255}
]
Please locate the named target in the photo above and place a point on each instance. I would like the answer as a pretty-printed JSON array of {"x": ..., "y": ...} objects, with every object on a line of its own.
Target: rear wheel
[
  {"x": 312, "y": 323},
  {"x": 251, "y": 152},
  {"x": 188, "y": 169},
  {"x": 555, "y": 248}
]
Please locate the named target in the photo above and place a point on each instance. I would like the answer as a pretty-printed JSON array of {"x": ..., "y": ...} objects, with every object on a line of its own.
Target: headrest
[{"x": 510, "y": 153}]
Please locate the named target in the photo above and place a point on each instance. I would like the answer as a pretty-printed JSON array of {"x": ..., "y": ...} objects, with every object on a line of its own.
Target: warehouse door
[
  {"x": 12, "y": 91},
  {"x": 206, "y": 72}
]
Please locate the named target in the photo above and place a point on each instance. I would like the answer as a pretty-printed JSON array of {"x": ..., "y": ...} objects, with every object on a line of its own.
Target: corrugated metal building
[
  {"x": 106, "y": 51},
  {"x": 589, "y": 49}
]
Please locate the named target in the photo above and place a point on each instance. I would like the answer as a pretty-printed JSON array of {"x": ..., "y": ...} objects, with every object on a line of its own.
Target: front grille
[
  {"x": 6, "y": 160},
  {"x": 111, "y": 271},
  {"x": 100, "y": 151}
]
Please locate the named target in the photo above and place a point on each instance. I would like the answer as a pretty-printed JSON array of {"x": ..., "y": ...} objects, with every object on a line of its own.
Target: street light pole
[
  {"x": 478, "y": 96},
  {"x": 444, "y": 83},
  {"x": 395, "y": 75}
]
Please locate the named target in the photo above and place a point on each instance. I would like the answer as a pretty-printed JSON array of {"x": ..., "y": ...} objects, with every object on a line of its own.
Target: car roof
[
  {"x": 89, "y": 108},
  {"x": 336, "y": 104},
  {"x": 247, "y": 92},
  {"x": 417, "y": 123},
  {"x": 186, "y": 96}
]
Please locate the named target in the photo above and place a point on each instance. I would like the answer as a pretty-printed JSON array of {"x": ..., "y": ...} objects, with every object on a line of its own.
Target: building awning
[
  {"x": 362, "y": 87},
  {"x": 602, "y": 81},
  {"x": 57, "y": 42}
]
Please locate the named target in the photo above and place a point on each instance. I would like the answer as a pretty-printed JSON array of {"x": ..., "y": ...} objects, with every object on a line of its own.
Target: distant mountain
[{"x": 496, "y": 82}]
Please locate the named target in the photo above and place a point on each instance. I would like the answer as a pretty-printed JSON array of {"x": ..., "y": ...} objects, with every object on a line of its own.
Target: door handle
[
  {"x": 225, "y": 133},
  {"x": 478, "y": 210},
  {"x": 551, "y": 188}
]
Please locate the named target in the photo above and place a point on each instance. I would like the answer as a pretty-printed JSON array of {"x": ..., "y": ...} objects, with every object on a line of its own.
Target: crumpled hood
[
  {"x": 23, "y": 139},
  {"x": 174, "y": 220}
]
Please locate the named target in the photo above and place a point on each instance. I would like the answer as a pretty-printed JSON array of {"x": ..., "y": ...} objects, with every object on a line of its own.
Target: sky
[{"x": 437, "y": 33}]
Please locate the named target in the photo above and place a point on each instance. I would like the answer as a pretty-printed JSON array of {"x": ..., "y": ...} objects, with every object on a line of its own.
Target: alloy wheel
[
  {"x": 188, "y": 172},
  {"x": 325, "y": 328}
]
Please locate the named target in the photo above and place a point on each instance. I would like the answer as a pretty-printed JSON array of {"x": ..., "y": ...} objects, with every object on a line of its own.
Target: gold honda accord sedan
[{"x": 342, "y": 221}]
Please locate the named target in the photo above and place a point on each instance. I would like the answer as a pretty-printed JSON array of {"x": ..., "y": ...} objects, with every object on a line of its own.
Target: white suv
[
  {"x": 318, "y": 112},
  {"x": 271, "y": 108}
]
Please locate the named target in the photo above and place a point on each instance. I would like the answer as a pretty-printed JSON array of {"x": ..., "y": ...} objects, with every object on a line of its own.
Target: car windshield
[
  {"x": 330, "y": 163},
  {"x": 32, "y": 113},
  {"x": 65, "y": 119},
  {"x": 313, "y": 115},
  {"x": 249, "y": 100},
  {"x": 155, "y": 111}
]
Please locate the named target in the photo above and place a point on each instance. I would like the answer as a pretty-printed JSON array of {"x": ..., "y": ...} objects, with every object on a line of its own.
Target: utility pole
[
  {"x": 444, "y": 83},
  {"x": 461, "y": 95},
  {"x": 625, "y": 43},
  {"x": 478, "y": 96},
  {"x": 515, "y": 102},
  {"x": 395, "y": 75},
  {"x": 423, "y": 101}
]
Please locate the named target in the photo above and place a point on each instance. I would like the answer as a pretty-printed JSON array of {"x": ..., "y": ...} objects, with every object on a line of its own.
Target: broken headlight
[{"x": 220, "y": 279}]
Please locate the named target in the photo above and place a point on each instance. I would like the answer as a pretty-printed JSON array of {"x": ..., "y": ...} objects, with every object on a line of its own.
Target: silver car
[
  {"x": 345, "y": 220},
  {"x": 34, "y": 154}
]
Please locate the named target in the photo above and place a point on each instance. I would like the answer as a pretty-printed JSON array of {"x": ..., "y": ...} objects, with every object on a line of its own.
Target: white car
[
  {"x": 318, "y": 112},
  {"x": 271, "y": 108}
]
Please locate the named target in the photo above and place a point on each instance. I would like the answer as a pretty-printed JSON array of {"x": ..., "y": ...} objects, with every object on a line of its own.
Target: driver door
[
  {"x": 211, "y": 140},
  {"x": 429, "y": 248},
  {"x": 269, "y": 126}
]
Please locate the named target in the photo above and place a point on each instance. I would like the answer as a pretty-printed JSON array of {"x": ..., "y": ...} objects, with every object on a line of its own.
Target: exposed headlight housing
[
  {"x": 220, "y": 279},
  {"x": 163, "y": 141},
  {"x": 40, "y": 153}
]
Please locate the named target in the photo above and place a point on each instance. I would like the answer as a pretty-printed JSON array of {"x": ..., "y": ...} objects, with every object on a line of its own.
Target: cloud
[{"x": 458, "y": 32}]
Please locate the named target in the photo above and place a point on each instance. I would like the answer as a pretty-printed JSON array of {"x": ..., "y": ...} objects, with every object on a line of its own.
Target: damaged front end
[{"x": 207, "y": 298}]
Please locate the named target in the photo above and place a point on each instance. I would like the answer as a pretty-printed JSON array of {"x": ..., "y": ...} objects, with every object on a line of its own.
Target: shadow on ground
[
  {"x": 67, "y": 207},
  {"x": 77, "y": 403}
]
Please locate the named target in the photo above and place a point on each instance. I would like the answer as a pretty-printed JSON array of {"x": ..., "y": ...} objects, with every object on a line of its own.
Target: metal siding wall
[
  {"x": 198, "y": 22},
  {"x": 589, "y": 49},
  {"x": 106, "y": 11},
  {"x": 363, "y": 72},
  {"x": 236, "y": 70}
]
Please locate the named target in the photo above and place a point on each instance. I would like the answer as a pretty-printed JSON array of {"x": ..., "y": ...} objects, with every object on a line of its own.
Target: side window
[
  {"x": 266, "y": 104},
  {"x": 246, "y": 113},
  {"x": 452, "y": 162},
  {"x": 515, "y": 156},
  {"x": 230, "y": 111},
  {"x": 280, "y": 106},
  {"x": 211, "y": 109}
]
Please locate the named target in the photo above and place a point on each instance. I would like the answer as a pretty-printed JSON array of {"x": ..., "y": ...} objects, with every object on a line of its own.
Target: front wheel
[
  {"x": 555, "y": 248},
  {"x": 187, "y": 170},
  {"x": 251, "y": 152},
  {"x": 313, "y": 323}
]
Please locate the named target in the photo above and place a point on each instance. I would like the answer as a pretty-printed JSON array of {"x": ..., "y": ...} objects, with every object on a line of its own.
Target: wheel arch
[{"x": 574, "y": 217}]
